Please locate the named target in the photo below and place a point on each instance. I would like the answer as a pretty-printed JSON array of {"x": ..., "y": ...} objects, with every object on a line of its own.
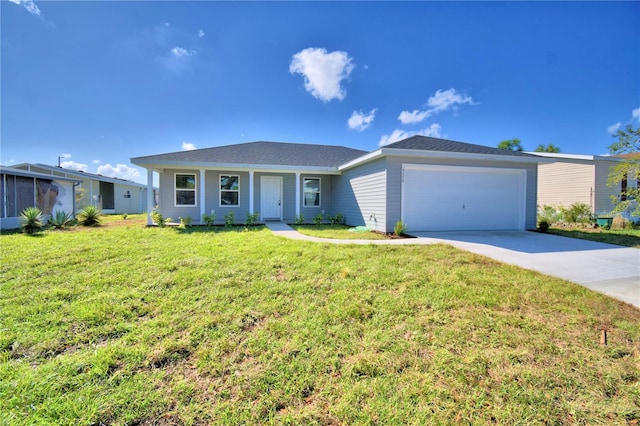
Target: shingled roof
[
  {"x": 425, "y": 143},
  {"x": 264, "y": 153}
]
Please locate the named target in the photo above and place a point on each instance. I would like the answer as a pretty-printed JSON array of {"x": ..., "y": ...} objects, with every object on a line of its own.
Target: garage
[{"x": 461, "y": 198}]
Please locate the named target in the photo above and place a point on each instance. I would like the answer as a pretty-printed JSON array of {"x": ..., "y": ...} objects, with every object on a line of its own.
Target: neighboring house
[
  {"x": 20, "y": 189},
  {"x": 429, "y": 183},
  {"x": 574, "y": 178},
  {"x": 112, "y": 195}
]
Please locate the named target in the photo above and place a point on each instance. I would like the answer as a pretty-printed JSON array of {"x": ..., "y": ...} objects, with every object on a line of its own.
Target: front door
[{"x": 271, "y": 197}]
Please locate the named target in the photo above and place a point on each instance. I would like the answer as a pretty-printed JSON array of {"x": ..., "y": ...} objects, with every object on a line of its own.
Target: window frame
[
  {"x": 319, "y": 192},
  {"x": 176, "y": 189},
  {"x": 220, "y": 190}
]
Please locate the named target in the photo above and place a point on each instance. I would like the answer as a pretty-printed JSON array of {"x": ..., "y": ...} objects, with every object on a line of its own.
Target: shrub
[
  {"x": 400, "y": 228},
  {"x": 299, "y": 220},
  {"x": 577, "y": 213},
  {"x": 252, "y": 219},
  {"x": 229, "y": 219},
  {"x": 125, "y": 216},
  {"x": 543, "y": 226},
  {"x": 159, "y": 220},
  {"x": 209, "y": 219},
  {"x": 548, "y": 214},
  {"x": 31, "y": 220},
  {"x": 185, "y": 222},
  {"x": 60, "y": 219},
  {"x": 89, "y": 216},
  {"x": 317, "y": 219},
  {"x": 337, "y": 219}
]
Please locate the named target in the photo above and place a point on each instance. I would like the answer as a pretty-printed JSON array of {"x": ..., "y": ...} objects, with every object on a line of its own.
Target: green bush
[
  {"x": 576, "y": 213},
  {"x": 60, "y": 219},
  {"x": 31, "y": 220},
  {"x": 252, "y": 219},
  {"x": 185, "y": 222},
  {"x": 400, "y": 228},
  {"x": 317, "y": 219},
  {"x": 338, "y": 219},
  {"x": 543, "y": 226},
  {"x": 159, "y": 220},
  {"x": 229, "y": 219},
  {"x": 89, "y": 216},
  {"x": 209, "y": 219},
  {"x": 299, "y": 220},
  {"x": 548, "y": 214}
]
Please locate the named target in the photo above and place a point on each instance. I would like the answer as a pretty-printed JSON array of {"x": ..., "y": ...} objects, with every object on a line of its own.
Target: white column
[
  {"x": 297, "y": 194},
  {"x": 150, "y": 200},
  {"x": 202, "y": 195},
  {"x": 251, "y": 211}
]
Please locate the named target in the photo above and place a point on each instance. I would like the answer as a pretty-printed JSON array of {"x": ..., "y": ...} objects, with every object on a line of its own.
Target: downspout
[{"x": 73, "y": 194}]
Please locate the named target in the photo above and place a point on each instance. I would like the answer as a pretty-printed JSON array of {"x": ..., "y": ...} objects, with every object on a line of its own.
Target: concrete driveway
[{"x": 609, "y": 269}]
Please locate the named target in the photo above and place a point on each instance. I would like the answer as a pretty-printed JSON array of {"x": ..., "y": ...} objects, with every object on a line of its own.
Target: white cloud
[
  {"x": 96, "y": 161},
  {"x": 29, "y": 5},
  {"x": 65, "y": 156},
  {"x": 360, "y": 121},
  {"x": 188, "y": 146},
  {"x": 178, "y": 59},
  {"x": 416, "y": 116},
  {"x": 201, "y": 33},
  {"x": 442, "y": 100},
  {"x": 121, "y": 171},
  {"x": 636, "y": 113},
  {"x": 323, "y": 72},
  {"x": 614, "y": 127},
  {"x": 181, "y": 52},
  {"x": 398, "y": 135},
  {"x": 72, "y": 165}
]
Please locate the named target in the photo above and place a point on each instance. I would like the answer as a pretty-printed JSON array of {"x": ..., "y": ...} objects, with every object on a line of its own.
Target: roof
[
  {"x": 581, "y": 157},
  {"x": 261, "y": 153},
  {"x": 425, "y": 143},
  {"x": 25, "y": 173},
  {"x": 78, "y": 174}
]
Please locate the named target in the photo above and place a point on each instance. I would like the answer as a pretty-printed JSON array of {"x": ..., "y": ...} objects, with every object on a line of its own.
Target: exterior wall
[
  {"x": 325, "y": 198},
  {"x": 167, "y": 206},
  {"x": 564, "y": 183},
  {"x": 603, "y": 192},
  {"x": 360, "y": 195},
  {"x": 48, "y": 195},
  {"x": 394, "y": 184},
  {"x": 136, "y": 203}
]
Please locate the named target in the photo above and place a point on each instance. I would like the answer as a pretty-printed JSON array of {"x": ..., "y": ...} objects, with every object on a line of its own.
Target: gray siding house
[{"x": 430, "y": 184}]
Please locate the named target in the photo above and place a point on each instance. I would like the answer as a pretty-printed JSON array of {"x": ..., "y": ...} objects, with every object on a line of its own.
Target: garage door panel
[{"x": 462, "y": 198}]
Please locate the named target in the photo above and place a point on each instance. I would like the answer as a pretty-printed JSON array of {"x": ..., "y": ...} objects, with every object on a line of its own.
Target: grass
[
  {"x": 621, "y": 237},
  {"x": 122, "y": 324},
  {"x": 340, "y": 232}
]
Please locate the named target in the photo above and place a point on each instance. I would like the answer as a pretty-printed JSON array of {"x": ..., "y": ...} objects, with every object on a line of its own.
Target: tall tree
[
  {"x": 627, "y": 147},
  {"x": 511, "y": 144},
  {"x": 549, "y": 148}
]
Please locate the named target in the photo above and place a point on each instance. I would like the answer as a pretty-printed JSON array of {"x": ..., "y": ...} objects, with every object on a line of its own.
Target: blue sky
[{"x": 100, "y": 82}]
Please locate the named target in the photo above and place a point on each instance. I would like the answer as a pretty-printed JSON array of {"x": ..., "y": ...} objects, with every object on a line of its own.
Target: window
[
  {"x": 185, "y": 190},
  {"x": 311, "y": 192},
  {"x": 229, "y": 190},
  {"x": 623, "y": 190}
]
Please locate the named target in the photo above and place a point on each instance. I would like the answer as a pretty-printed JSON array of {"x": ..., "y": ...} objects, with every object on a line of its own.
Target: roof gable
[{"x": 425, "y": 143}]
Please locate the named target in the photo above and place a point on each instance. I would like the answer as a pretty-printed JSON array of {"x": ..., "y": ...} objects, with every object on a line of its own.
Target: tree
[
  {"x": 511, "y": 144},
  {"x": 549, "y": 148},
  {"x": 627, "y": 147}
]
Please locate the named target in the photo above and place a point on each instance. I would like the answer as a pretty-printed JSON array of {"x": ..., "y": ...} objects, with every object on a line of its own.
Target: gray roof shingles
[
  {"x": 265, "y": 153},
  {"x": 310, "y": 155}
]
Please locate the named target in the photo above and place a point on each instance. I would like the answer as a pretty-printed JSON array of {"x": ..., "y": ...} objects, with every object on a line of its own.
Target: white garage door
[{"x": 453, "y": 198}]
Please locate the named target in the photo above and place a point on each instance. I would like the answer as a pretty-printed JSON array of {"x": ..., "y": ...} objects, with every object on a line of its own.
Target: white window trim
[
  {"x": 176, "y": 189},
  {"x": 304, "y": 199},
  {"x": 227, "y": 190}
]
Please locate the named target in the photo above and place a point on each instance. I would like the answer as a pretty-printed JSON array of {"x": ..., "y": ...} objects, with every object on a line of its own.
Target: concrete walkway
[{"x": 608, "y": 269}]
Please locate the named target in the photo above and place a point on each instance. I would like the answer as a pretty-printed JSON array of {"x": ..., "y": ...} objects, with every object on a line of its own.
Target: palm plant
[
  {"x": 31, "y": 220},
  {"x": 89, "y": 216},
  {"x": 60, "y": 219}
]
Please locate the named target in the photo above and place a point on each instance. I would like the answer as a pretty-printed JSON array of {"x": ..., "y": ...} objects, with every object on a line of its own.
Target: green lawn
[
  {"x": 621, "y": 237},
  {"x": 123, "y": 324},
  {"x": 340, "y": 232}
]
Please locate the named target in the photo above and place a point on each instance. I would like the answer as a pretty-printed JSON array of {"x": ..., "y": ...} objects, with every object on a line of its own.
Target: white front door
[{"x": 271, "y": 197}]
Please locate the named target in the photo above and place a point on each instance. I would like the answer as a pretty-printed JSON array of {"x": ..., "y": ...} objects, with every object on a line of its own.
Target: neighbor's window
[
  {"x": 229, "y": 190},
  {"x": 311, "y": 192},
  {"x": 185, "y": 190}
]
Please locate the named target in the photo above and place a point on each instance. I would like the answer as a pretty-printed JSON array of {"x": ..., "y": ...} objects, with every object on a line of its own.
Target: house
[
  {"x": 20, "y": 189},
  {"x": 574, "y": 178},
  {"x": 429, "y": 183},
  {"x": 111, "y": 195}
]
